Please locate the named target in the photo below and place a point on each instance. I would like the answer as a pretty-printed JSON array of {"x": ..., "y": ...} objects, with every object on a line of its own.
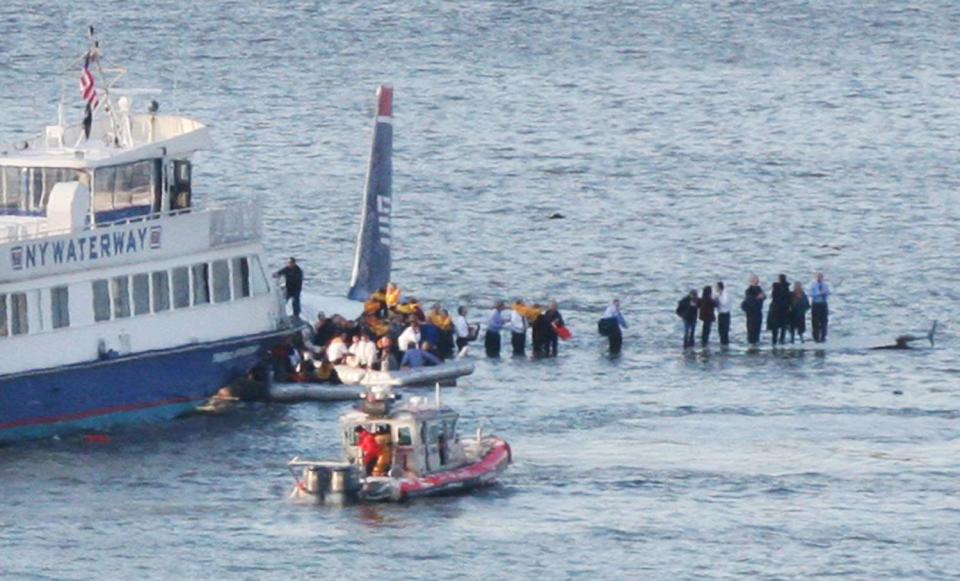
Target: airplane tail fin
[{"x": 371, "y": 265}]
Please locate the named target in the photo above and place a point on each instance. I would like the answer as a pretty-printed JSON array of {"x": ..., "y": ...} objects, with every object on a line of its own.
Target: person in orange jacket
[{"x": 369, "y": 449}]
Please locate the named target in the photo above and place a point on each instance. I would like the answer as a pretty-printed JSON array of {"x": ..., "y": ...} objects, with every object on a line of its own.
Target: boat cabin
[
  {"x": 422, "y": 438},
  {"x": 131, "y": 165}
]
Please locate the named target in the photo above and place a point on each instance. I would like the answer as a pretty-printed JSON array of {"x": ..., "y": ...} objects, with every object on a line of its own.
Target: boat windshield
[{"x": 26, "y": 190}]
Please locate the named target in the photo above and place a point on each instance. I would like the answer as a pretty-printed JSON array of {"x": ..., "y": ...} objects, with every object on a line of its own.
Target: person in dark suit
[
  {"x": 778, "y": 317},
  {"x": 799, "y": 305},
  {"x": 752, "y": 306},
  {"x": 555, "y": 319},
  {"x": 292, "y": 283},
  {"x": 708, "y": 314},
  {"x": 687, "y": 309}
]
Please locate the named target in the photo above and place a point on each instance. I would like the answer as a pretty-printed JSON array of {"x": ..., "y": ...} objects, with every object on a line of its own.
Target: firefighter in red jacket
[{"x": 369, "y": 448}]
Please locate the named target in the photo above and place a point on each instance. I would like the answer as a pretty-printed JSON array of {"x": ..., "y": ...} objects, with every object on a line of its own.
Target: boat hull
[
  {"x": 151, "y": 386},
  {"x": 483, "y": 472}
]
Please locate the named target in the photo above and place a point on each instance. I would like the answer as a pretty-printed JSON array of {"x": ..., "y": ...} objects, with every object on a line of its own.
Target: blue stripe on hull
[{"x": 154, "y": 385}]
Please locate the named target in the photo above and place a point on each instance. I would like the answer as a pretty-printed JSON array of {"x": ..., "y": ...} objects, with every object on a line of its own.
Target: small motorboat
[
  {"x": 419, "y": 453},
  {"x": 445, "y": 374}
]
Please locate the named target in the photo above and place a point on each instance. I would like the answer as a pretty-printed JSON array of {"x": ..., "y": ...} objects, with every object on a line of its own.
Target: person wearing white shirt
[
  {"x": 410, "y": 335},
  {"x": 337, "y": 351},
  {"x": 461, "y": 329},
  {"x": 518, "y": 330},
  {"x": 612, "y": 324},
  {"x": 724, "y": 304}
]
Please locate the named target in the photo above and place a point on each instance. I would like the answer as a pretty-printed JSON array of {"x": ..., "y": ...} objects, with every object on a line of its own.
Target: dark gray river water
[{"x": 684, "y": 142}]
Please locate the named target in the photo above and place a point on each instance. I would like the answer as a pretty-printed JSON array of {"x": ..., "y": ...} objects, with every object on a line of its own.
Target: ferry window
[
  {"x": 101, "y": 301},
  {"x": 28, "y": 189},
  {"x": 404, "y": 437},
  {"x": 120, "y": 289},
  {"x": 3, "y": 316},
  {"x": 18, "y": 314},
  {"x": 241, "y": 278},
  {"x": 221, "y": 281},
  {"x": 181, "y": 287},
  {"x": 124, "y": 186},
  {"x": 201, "y": 284},
  {"x": 260, "y": 286},
  {"x": 60, "y": 307},
  {"x": 161, "y": 291},
  {"x": 141, "y": 294}
]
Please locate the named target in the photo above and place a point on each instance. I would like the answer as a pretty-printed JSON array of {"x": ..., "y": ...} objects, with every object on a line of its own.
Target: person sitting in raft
[
  {"x": 410, "y": 335},
  {"x": 369, "y": 449},
  {"x": 337, "y": 350},
  {"x": 416, "y": 357},
  {"x": 430, "y": 348},
  {"x": 385, "y": 359}
]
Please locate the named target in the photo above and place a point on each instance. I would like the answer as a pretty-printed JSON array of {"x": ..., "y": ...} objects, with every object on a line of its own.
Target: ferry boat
[
  {"x": 121, "y": 298},
  {"x": 420, "y": 454}
]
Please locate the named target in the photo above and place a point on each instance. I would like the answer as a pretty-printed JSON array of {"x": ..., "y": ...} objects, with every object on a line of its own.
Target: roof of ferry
[{"x": 172, "y": 136}]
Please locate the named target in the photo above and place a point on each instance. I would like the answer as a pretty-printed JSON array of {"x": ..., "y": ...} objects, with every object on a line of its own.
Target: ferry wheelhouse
[{"x": 121, "y": 298}]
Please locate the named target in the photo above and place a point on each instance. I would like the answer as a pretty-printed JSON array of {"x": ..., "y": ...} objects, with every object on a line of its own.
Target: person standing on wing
[
  {"x": 612, "y": 324},
  {"x": 819, "y": 313},
  {"x": 723, "y": 301}
]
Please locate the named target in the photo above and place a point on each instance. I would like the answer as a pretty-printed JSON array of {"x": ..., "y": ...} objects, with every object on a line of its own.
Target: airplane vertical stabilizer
[{"x": 371, "y": 266}]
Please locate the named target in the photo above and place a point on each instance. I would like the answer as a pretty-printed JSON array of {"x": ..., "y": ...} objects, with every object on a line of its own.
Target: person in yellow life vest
[
  {"x": 377, "y": 326},
  {"x": 530, "y": 312},
  {"x": 440, "y": 318},
  {"x": 392, "y": 295},
  {"x": 385, "y": 443},
  {"x": 376, "y": 304}
]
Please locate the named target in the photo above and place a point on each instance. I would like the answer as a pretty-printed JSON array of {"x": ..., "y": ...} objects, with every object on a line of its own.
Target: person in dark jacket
[
  {"x": 799, "y": 305},
  {"x": 541, "y": 331},
  {"x": 752, "y": 306},
  {"x": 292, "y": 283},
  {"x": 708, "y": 314},
  {"x": 687, "y": 309},
  {"x": 555, "y": 319},
  {"x": 778, "y": 317}
]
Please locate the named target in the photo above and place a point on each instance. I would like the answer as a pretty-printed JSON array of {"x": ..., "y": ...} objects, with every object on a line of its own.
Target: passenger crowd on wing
[{"x": 787, "y": 311}]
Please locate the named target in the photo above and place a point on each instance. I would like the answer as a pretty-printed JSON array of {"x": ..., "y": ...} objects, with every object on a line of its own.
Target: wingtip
[{"x": 385, "y": 101}]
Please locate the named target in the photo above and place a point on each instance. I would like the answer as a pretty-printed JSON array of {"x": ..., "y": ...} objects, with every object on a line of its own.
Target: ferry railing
[{"x": 228, "y": 224}]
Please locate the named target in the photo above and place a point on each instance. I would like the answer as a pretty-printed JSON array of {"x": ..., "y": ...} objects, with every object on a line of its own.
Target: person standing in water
[
  {"x": 799, "y": 305},
  {"x": 495, "y": 322},
  {"x": 708, "y": 309},
  {"x": 819, "y": 313},
  {"x": 687, "y": 309},
  {"x": 611, "y": 325},
  {"x": 554, "y": 319},
  {"x": 724, "y": 303},
  {"x": 778, "y": 317},
  {"x": 752, "y": 306}
]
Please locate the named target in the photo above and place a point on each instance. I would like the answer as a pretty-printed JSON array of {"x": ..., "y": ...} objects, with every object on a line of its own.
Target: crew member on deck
[
  {"x": 292, "y": 283},
  {"x": 496, "y": 320},
  {"x": 369, "y": 448},
  {"x": 819, "y": 293}
]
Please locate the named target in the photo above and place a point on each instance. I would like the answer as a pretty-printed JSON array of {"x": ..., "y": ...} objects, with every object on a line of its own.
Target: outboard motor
[{"x": 335, "y": 483}]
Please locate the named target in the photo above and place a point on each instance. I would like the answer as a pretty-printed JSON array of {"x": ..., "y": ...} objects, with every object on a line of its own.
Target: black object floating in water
[{"x": 556, "y": 216}]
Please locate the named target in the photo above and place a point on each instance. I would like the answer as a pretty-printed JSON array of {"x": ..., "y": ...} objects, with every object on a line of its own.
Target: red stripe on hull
[
  {"x": 491, "y": 465},
  {"x": 99, "y": 412}
]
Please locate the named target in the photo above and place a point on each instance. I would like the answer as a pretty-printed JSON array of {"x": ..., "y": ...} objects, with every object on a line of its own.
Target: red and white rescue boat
[{"x": 397, "y": 451}]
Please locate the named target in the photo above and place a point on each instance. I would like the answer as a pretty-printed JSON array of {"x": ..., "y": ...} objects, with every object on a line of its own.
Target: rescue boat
[
  {"x": 420, "y": 453},
  {"x": 445, "y": 373}
]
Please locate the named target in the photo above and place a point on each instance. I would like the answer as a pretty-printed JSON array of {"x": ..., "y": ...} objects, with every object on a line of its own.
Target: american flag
[{"x": 87, "y": 86}]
